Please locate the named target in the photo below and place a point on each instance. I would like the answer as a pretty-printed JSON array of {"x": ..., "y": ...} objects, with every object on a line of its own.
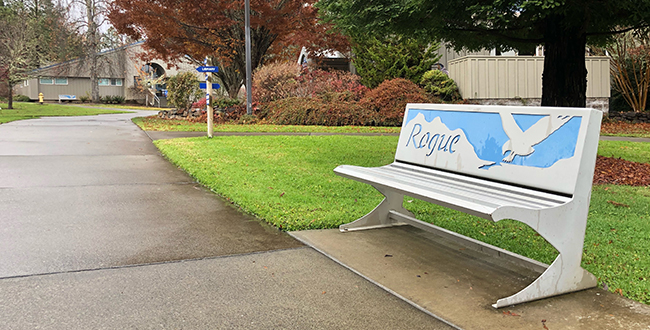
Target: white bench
[
  {"x": 531, "y": 164},
  {"x": 69, "y": 98}
]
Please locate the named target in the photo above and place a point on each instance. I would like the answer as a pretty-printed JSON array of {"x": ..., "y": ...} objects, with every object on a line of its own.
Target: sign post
[{"x": 208, "y": 92}]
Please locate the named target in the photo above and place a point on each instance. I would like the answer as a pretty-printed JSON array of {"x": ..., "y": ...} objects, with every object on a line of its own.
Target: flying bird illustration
[{"x": 521, "y": 143}]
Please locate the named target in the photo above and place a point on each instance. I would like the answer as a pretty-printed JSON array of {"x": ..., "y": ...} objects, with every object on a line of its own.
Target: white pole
[
  {"x": 249, "y": 98},
  {"x": 208, "y": 88}
]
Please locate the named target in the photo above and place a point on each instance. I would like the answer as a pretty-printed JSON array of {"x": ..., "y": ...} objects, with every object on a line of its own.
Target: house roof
[{"x": 69, "y": 69}]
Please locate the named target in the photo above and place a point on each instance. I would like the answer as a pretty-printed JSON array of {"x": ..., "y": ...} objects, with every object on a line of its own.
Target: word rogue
[{"x": 432, "y": 142}]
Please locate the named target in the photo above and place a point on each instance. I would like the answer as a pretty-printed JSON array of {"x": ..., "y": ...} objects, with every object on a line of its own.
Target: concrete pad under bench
[{"x": 459, "y": 285}]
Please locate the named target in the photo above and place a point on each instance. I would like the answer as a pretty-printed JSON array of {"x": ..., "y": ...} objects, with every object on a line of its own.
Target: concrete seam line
[
  {"x": 150, "y": 264},
  {"x": 422, "y": 309},
  {"x": 179, "y": 183}
]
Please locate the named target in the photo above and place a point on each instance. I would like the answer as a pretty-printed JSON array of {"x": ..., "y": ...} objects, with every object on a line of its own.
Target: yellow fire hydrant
[{"x": 40, "y": 98}]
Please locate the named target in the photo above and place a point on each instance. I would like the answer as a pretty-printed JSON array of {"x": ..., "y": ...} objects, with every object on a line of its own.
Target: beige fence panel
[{"x": 507, "y": 77}]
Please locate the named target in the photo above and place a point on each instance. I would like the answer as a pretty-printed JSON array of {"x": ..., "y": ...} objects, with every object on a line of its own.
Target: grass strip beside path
[
  {"x": 156, "y": 124},
  {"x": 27, "y": 110},
  {"x": 288, "y": 181}
]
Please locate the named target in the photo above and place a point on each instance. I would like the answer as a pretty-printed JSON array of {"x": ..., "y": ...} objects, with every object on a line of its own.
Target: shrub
[
  {"x": 318, "y": 82},
  {"x": 183, "y": 90},
  {"x": 110, "y": 99},
  {"x": 278, "y": 81},
  {"x": 200, "y": 104},
  {"x": 117, "y": 99},
  {"x": 223, "y": 102},
  {"x": 336, "y": 109},
  {"x": 438, "y": 84},
  {"x": 383, "y": 58},
  {"x": 231, "y": 114},
  {"x": 275, "y": 81},
  {"x": 84, "y": 99},
  {"x": 389, "y": 100},
  {"x": 21, "y": 98}
]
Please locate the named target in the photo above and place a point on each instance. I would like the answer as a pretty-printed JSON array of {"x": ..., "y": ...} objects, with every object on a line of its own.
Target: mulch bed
[
  {"x": 622, "y": 127},
  {"x": 619, "y": 171},
  {"x": 611, "y": 170}
]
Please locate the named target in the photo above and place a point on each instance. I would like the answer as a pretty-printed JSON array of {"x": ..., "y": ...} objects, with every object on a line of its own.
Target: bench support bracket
[{"x": 380, "y": 216}]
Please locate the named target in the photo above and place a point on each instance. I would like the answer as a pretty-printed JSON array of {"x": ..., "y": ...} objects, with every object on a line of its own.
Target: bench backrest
[{"x": 536, "y": 147}]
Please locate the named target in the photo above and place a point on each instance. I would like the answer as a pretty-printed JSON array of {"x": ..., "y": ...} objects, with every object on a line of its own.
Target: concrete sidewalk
[
  {"x": 459, "y": 284},
  {"x": 99, "y": 231}
]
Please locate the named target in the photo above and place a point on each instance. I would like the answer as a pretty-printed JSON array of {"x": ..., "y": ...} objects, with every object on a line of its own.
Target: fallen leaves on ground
[
  {"x": 622, "y": 172},
  {"x": 621, "y": 127}
]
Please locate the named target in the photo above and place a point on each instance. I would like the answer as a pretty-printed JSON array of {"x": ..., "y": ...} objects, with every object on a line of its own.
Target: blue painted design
[
  {"x": 526, "y": 121},
  {"x": 484, "y": 131}
]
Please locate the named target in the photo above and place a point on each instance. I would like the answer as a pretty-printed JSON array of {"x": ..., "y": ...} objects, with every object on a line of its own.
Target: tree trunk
[
  {"x": 10, "y": 100},
  {"x": 93, "y": 41},
  {"x": 94, "y": 83},
  {"x": 564, "y": 82},
  {"x": 231, "y": 79}
]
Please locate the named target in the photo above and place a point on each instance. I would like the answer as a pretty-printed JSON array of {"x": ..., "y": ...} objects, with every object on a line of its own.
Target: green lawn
[
  {"x": 288, "y": 182},
  {"x": 633, "y": 151},
  {"x": 156, "y": 124},
  {"x": 27, "y": 110}
]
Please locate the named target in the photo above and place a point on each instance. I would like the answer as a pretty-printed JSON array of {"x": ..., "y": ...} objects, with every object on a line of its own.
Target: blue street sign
[
  {"x": 207, "y": 69},
  {"x": 204, "y": 86}
]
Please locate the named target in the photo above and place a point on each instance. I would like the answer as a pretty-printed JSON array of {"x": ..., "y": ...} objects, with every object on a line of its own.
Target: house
[{"x": 119, "y": 74}]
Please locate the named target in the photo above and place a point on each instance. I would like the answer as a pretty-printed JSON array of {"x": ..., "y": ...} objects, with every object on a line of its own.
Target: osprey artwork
[{"x": 521, "y": 142}]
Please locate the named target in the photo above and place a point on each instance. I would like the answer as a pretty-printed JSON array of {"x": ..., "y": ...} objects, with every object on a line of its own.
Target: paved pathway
[{"x": 98, "y": 231}]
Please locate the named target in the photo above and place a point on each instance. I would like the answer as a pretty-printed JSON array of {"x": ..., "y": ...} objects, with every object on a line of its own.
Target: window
[
  {"x": 46, "y": 81},
  {"x": 61, "y": 81},
  {"x": 110, "y": 82},
  {"x": 26, "y": 83}
]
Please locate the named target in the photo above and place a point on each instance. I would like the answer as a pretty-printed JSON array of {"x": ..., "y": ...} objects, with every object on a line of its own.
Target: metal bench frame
[{"x": 558, "y": 217}]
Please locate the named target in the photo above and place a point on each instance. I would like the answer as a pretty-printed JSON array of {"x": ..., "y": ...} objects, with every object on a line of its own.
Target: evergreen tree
[{"x": 378, "y": 59}]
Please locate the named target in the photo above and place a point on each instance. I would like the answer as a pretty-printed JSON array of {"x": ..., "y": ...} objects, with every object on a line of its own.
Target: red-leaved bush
[
  {"x": 389, "y": 100},
  {"x": 278, "y": 81},
  {"x": 313, "y": 83},
  {"x": 200, "y": 104},
  {"x": 335, "y": 109}
]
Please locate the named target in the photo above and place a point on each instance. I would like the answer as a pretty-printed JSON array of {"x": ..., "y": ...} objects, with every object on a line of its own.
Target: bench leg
[
  {"x": 560, "y": 277},
  {"x": 380, "y": 216},
  {"x": 563, "y": 227}
]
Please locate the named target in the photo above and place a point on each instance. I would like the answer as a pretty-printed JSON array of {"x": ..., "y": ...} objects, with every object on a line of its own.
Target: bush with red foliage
[
  {"x": 334, "y": 109},
  {"x": 278, "y": 81},
  {"x": 312, "y": 83},
  {"x": 389, "y": 100},
  {"x": 200, "y": 104},
  {"x": 234, "y": 114}
]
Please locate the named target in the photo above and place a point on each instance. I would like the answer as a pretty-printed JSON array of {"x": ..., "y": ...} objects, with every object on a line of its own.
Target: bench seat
[{"x": 474, "y": 196}]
